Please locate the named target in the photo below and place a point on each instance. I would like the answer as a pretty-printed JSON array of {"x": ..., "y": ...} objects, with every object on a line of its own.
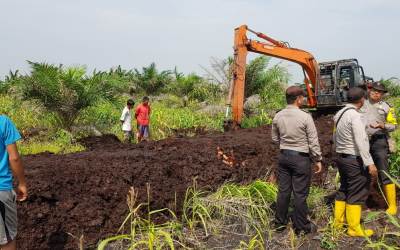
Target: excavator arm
[{"x": 273, "y": 48}]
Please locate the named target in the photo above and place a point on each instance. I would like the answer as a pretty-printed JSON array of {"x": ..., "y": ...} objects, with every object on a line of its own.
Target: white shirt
[
  {"x": 126, "y": 118},
  {"x": 294, "y": 129},
  {"x": 376, "y": 112},
  {"x": 350, "y": 136}
]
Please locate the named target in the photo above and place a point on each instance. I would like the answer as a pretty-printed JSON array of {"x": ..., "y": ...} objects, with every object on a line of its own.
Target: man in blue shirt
[{"x": 10, "y": 164}]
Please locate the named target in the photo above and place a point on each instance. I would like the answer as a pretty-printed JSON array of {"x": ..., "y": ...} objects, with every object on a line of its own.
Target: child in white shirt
[{"x": 126, "y": 120}]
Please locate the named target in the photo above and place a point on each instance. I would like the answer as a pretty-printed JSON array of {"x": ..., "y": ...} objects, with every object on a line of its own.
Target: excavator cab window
[
  {"x": 327, "y": 80},
  {"x": 346, "y": 80},
  {"x": 346, "y": 77}
]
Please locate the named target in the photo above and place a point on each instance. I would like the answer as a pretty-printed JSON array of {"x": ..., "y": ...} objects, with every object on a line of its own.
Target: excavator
[{"x": 326, "y": 83}]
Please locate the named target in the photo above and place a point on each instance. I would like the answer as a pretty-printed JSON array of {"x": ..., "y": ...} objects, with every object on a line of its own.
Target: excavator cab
[{"x": 336, "y": 78}]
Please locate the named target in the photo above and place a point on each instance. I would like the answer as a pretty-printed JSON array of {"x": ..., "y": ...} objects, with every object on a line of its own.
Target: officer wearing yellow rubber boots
[
  {"x": 355, "y": 164},
  {"x": 380, "y": 119}
]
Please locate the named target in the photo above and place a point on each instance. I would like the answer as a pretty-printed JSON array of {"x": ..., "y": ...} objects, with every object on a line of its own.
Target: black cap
[{"x": 379, "y": 86}]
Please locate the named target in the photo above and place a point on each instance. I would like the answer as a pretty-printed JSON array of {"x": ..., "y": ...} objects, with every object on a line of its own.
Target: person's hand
[
  {"x": 318, "y": 165},
  {"x": 372, "y": 170},
  {"x": 378, "y": 125},
  {"x": 22, "y": 192}
]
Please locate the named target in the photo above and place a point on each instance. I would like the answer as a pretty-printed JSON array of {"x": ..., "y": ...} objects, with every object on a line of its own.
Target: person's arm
[
  {"x": 18, "y": 171},
  {"x": 275, "y": 131},
  {"x": 11, "y": 135},
  {"x": 123, "y": 116},
  {"x": 137, "y": 112},
  {"x": 390, "y": 124},
  {"x": 313, "y": 142},
  {"x": 362, "y": 143}
]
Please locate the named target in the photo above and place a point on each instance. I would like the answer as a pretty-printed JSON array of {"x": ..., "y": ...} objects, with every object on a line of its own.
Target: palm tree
[
  {"x": 67, "y": 91},
  {"x": 151, "y": 81}
]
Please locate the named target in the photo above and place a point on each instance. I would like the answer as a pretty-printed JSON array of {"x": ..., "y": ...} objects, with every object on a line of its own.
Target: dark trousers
[
  {"x": 294, "y": 175},
  {"x": 379, "y": 149},
  {"x": 354, "y": 181}
]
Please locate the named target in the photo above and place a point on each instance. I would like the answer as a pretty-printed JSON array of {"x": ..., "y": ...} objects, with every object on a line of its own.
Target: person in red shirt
[{"x": 142, "y": 116}]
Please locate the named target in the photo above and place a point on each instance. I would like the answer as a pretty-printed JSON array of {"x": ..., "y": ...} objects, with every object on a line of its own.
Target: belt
[
  {"x": 378, "y": 136},
  {"x": 293, "y": 152},
  {"x": 350, "y": 156}
]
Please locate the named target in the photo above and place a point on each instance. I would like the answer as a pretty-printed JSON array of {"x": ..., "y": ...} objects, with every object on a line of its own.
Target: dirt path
[{"x": 85, "y": 193}]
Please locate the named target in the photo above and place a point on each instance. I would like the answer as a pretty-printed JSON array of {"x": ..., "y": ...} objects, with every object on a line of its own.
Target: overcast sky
[{"x": 186, "y": 33}]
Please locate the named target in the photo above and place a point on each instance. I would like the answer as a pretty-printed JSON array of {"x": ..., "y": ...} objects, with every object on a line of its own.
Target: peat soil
[{"x": 85, "y": 193}]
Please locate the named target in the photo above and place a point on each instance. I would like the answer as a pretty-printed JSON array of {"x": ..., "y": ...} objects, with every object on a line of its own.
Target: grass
[
  {"x": 165, "y": 119},
  {"x": 61, "y": 142},
  {"x": 232, "y": 211},
  {"x": 43, "y": 133},
  {"x": 241, "y": 215},
  {"x": 143, "y": 232}
]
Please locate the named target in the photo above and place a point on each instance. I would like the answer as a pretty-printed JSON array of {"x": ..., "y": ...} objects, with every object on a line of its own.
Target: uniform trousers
[
  {"x": 354, "y": 180},
  {"x": 294, "y": 175},
  {"x": 379, "y": 149}
]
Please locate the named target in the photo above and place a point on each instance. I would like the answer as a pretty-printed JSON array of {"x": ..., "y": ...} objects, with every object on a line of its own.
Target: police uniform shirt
[
  {"x": 376, "y": 112},
  {"x": 350, "y": 136},
  {"x": 294, "y": 129}
]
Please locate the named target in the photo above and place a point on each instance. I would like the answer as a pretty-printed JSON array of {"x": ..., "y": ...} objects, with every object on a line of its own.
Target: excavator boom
[{"x": 273, "y": 48}]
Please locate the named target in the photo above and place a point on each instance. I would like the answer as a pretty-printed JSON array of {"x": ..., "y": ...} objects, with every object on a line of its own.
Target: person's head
[
  {"x": 376, "y": 92},
  {"x": 145, "y": 100},
  {"x": 130, "y": 103},
  {"x": 295, "y": 96},
  {"x": 356, "y": 96}
]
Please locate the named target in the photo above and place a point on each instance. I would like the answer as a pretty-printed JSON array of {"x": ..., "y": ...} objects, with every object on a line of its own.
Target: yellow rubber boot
[
  {"x": 353, "y": 216},
  {"x": 390, "y": 193},
  {"x": 339, "y": 214}
]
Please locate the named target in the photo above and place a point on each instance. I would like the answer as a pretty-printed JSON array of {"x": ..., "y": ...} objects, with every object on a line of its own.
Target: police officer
[
  {"x": 380, "y": 119},
  {"x": 296, "y": 134},
  {"x": 355, "y": 164}
]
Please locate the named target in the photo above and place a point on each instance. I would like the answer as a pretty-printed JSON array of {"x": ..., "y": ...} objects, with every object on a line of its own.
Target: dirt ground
[{"x": 85, "y": 193}]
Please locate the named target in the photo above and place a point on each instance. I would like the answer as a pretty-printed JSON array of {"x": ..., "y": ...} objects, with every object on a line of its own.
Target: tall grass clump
[
  {"x": 248, "y": 206},
  {"x": 139, "y": 231}
]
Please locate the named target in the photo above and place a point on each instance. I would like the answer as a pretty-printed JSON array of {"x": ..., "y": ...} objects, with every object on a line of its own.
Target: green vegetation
[
  {"x": 392, "y": 86},
  {"x": 54, "y": 106},
  {"x": 247, "y": 209},
  {"x": 66, "y": 91},
  {"x": 258, "y": 74},
  {"x": 143, "y": 233},
  {"x": 239, "y": 217}
]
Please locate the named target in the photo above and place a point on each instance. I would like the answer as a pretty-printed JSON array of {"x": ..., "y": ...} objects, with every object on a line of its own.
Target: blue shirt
[{"x": 8, "y": 135}]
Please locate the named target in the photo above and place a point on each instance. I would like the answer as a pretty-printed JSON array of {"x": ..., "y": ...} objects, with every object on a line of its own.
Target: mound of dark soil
[
  {"x": 99, "y": 142},
  {"x": 85, "y": 193}
]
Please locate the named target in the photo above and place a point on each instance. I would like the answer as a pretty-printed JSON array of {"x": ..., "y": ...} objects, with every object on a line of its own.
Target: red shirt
[{"x": 142, "y": 114}]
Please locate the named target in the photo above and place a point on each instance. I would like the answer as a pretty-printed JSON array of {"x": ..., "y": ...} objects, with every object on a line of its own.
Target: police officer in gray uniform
[
  {"x": 380, "y": 119},
  {"x": 295, "y": 131},
  {"x": 355, "y": 164}
]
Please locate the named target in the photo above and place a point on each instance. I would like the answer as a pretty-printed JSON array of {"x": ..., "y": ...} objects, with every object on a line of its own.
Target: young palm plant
[{"x": 66, "y": 91}]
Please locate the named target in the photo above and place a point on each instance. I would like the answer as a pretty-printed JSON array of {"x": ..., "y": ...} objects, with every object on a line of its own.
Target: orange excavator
[{"x": 326, "y": 83}]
